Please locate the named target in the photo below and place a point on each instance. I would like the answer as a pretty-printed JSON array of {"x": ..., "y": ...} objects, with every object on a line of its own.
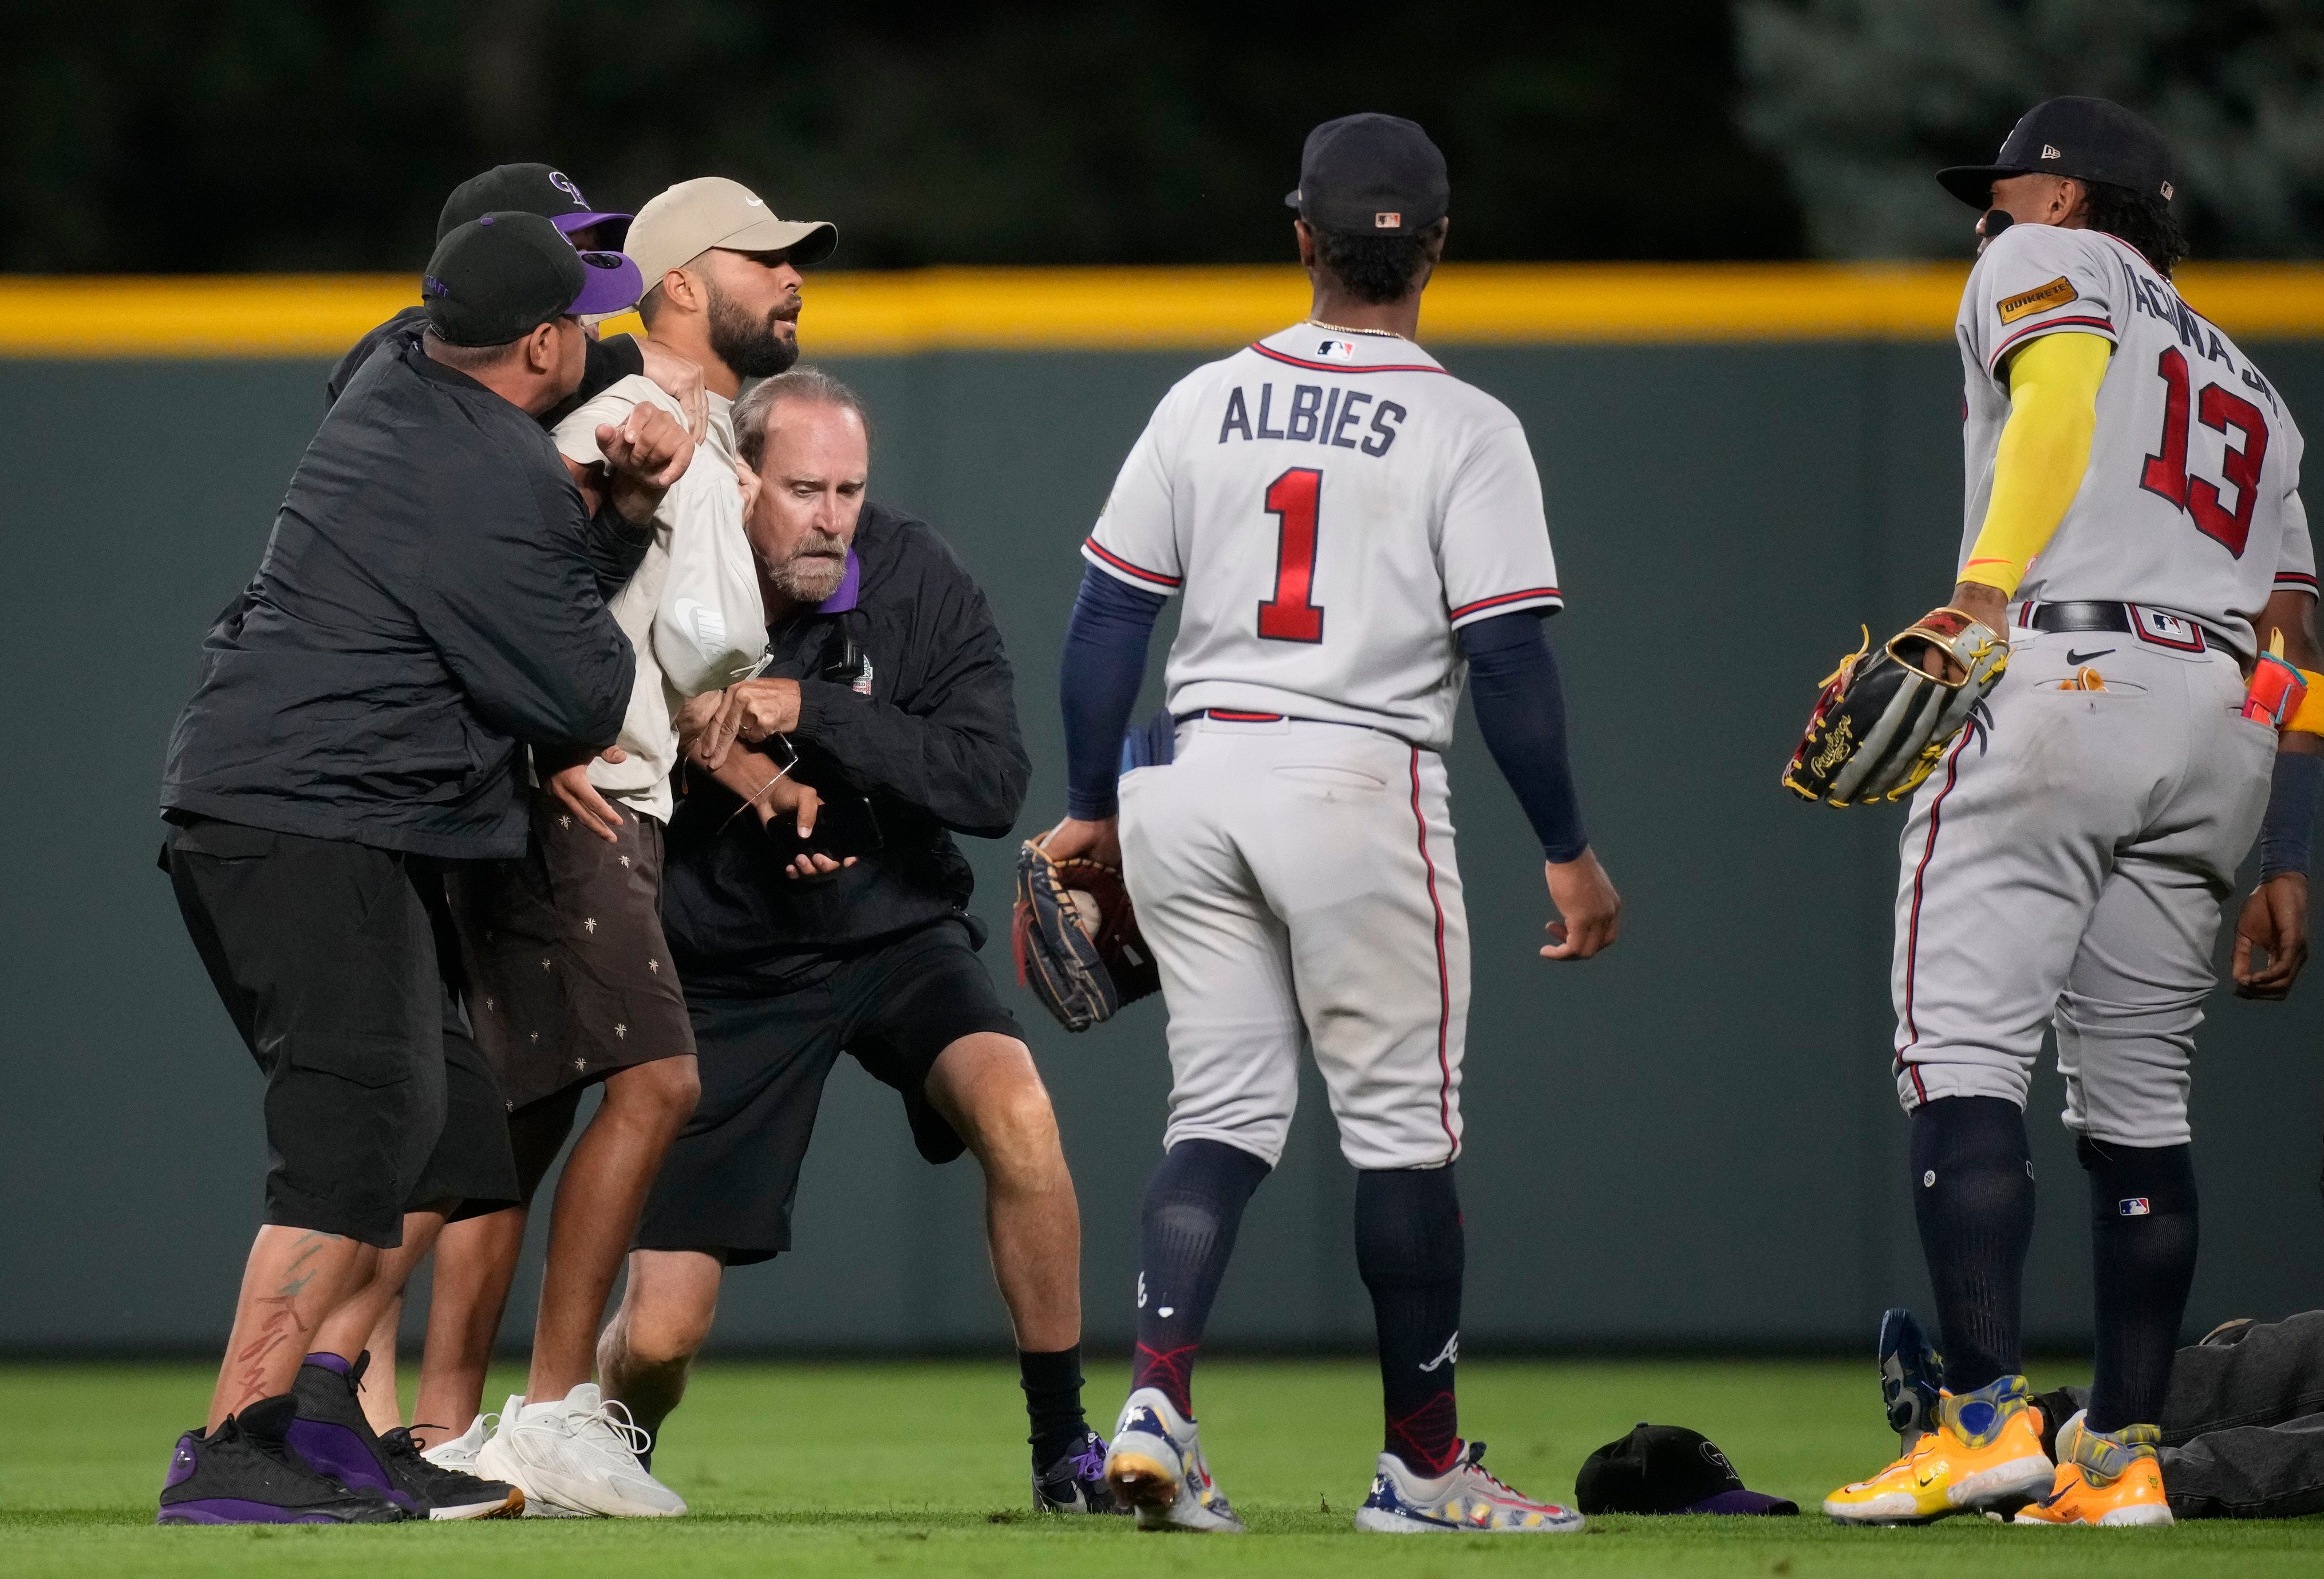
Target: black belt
[{"x": 2154, "y": 626}]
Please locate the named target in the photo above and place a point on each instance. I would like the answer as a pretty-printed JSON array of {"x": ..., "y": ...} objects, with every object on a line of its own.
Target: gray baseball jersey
[
  {"x": 2191, "y": 500},
  {"x": 1333, "y": 507}
]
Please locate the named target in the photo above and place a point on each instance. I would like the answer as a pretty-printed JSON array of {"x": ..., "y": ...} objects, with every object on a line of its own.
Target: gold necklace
[{"x": 1345, "y": 330}]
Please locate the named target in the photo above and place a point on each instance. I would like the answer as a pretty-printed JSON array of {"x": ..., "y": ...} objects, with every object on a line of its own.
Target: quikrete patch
[{"x": 2041, "y": 299}]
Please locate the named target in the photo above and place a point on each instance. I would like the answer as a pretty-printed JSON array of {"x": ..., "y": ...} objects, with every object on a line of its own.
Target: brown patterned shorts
[{"x": 569, "y": 978}]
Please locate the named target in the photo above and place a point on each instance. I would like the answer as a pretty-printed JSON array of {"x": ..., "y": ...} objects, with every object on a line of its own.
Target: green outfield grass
[{"x": 901, "y": 1470}]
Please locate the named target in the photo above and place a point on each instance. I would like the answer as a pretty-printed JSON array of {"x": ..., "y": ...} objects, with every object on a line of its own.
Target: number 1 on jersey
[{"x": 1289, "y": 615}]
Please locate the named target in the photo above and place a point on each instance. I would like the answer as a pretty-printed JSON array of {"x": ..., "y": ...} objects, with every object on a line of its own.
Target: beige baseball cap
[{"x": 710, "y": 211}]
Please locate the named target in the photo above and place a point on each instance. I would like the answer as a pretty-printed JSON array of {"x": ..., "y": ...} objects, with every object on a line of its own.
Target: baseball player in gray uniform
[
  {"x": 2133, "y": 524},
  {"x": 1353, "y": 530}
]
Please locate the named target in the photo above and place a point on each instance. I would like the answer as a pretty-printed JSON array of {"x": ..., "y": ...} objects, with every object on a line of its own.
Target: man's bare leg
[
  {"x": 598, "y": 1199},
  {"x": 664, "y": 1319},
  {"x": 475, "y": 1267},
  {"x": 383, "y": 1402},
  {"x": 294, "y": 1280},
  {"x": 350, "y": 1328},
  {"x": 986, "y": 1086}
]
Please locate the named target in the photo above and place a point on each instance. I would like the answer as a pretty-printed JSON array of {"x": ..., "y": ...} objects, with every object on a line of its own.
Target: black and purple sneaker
[
  {"x": 334, "y": 1437},
  {"x": 245, "y": 1473},
  {"x": 1075, "y": 1483}
]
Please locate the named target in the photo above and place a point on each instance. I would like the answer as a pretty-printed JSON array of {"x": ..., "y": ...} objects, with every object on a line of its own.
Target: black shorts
[
  {"x": 727, "y": 1186},
  {"x": 323, "y": 953}
]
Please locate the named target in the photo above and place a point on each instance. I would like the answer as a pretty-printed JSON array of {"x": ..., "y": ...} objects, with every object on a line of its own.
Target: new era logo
[
  {"x": 2136, "y": 1207},
  {"x": 2050, "y": 152},
  {"x": 1383, "y": 220}
]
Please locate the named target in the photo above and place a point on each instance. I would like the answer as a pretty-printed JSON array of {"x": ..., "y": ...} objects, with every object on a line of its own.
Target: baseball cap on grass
[
  {"x": 1372, "y": 174},
  {"x": 2087, "y": 139},
  {"x": 527, "y": 188},
  {"x": 502, "y": 276},
  {"x": 688, "y": 219},
  {"x": 1666, "y": 1469}
]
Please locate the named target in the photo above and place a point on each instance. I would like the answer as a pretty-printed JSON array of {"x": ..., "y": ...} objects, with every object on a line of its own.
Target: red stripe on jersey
[
  {"x": 1444, "y": 975},
  {"x": 1224, "y": 716},
  {"x": 1126, "y": 567},
  {"x": 1341, "y": 366},
  {"x": 2050, "y": 323},
  {"x": 1466, "y": 609},
  {"x": 2298, "y": 580}
]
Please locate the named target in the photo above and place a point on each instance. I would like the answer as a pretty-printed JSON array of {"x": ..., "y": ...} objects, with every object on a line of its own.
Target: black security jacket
[
  {"x": 934, "y": 748},
  {"x": 433, "y": 595}
]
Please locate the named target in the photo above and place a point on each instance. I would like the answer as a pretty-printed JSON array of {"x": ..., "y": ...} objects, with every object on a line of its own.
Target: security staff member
[
  {"x": 816, "y": 904},
  {"x": 432, "y": 597}
]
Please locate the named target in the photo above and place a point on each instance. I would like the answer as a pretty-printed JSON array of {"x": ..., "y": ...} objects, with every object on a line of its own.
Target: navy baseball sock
[
  {"x": 1053, "y": 1401},
  {"x": 2143, "y": 1236},
  {"x": 1411, "y": 1250},
  {"x": 1973, "y": 1196},
  {"x": 1185, "y": 1232}
]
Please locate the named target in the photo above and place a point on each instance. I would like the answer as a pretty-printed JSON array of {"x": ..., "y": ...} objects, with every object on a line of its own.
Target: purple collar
[{"x": 850, "y": 584}]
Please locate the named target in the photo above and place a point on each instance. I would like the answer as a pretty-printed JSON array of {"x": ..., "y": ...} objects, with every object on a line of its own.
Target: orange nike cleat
[
  {"x": 2104, "y": 1478},
  {"x": 1984, "y": 1452}
]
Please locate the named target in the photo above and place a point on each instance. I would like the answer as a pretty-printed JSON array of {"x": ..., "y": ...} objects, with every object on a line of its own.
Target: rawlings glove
[
  {"x": 1076, "y": 938},
  {"x": 1884, "y": 718}
]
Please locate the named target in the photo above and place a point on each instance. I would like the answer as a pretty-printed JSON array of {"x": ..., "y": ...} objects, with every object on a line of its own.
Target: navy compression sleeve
[
  {"x": 1521, "y": 713},
  {"x": 1104, "y": 665}
]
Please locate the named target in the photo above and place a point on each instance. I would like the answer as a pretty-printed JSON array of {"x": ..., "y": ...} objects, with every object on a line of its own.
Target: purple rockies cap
[{"x": 614, "y": 286}]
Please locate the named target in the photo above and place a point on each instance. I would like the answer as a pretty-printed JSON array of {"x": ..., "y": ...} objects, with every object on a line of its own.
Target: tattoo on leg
[{"x": 280, "y": 1323}]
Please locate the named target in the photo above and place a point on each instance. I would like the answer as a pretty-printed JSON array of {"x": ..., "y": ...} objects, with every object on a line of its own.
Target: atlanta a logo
[{"x": 1449, "y": 1354}]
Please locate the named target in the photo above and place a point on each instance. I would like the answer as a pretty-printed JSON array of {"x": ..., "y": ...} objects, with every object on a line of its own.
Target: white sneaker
[
  {"x": 459, "y": 1452},
  {"x": 1155, "y": 1465},
  {"x": 500, "y": 1467},
  {"x": 1466, "y": 1499},
  {"x": 579, "y": 1452}
]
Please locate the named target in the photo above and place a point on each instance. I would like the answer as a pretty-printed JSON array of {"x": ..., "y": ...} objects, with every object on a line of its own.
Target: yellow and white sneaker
[
  {"x": 1155, "y": 1465},
  {"x": 1985, "y": 1450},
  {"x": 2104, "y": 1477}
]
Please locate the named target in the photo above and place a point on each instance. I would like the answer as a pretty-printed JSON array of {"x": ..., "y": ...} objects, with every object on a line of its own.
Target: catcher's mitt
[
  {"x": 1076, "y": 938},
  {"x": 1884, "y": 718}
]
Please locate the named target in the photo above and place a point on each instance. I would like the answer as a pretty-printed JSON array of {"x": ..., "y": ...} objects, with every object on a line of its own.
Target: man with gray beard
[{"x": 814, "y": 904}]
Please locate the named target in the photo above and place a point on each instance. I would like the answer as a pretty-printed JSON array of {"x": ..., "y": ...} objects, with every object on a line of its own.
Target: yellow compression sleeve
[{"x": 2045, "y": 448}]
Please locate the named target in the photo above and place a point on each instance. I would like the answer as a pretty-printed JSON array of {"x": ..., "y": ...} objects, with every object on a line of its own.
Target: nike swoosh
[{"x": 2074, "y": 656}]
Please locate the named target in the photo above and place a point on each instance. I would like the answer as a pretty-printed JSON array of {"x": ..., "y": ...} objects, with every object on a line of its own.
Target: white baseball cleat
[
  {"x": 459, "y": 1452},
  {"x": 580, "y": 1453},
  {"x": 1468, "y": 1498},
  {"x": 1155, "y": 1465}
]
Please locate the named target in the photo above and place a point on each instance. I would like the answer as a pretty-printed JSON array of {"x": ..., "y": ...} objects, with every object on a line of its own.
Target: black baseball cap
[
  {"x": 1376, "y": 175},
  {"x": 1666, "y": 1469},
  {"x": 529, "y": 188},
  {"x": 502, "y": 276},
  {"x": 2088, "y": 139}
]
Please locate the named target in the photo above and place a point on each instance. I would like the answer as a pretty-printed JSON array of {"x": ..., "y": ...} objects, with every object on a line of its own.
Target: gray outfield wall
[{"x": 1693, "y": 1141}]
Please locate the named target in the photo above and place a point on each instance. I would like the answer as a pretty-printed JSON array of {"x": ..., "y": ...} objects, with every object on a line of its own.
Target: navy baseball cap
[
  {"x": 1667, "y": 1469},
  {"x": 502, "y": 276},
  {"x": 530, "y": 189},
  {"x": 2087, "y": 139},
  {"x": 1372, "y": 174}
]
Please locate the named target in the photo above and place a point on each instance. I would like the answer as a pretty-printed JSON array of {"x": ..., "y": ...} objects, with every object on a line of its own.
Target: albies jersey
[
  {"x": 2192, "y": 502},
  {"x": 1333, "y": 506}
]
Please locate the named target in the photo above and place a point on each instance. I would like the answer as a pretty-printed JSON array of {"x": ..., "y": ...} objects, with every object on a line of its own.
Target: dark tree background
[{"x": 275, "y": 135}]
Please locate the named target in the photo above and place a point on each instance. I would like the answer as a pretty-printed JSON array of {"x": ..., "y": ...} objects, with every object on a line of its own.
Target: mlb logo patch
[
  {"x": 2135, "y": 1206},
  {"x": 1387, "y": 220},
  {"x": 1336, "y": 350}
]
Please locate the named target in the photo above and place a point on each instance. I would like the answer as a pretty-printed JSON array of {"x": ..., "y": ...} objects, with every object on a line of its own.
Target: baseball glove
[
  {"x": 1076, "y": 938},
  {"x": 1884, "y": 718}
]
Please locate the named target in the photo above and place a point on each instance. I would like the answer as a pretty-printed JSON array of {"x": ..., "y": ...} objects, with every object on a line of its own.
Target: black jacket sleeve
[
  {"x": 516, "y": 614},
  {"x": 951, "y": 749},
  {"x": 614, "y": 548}
]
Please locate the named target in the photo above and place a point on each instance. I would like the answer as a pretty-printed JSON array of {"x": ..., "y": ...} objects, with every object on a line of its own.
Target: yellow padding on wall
[{"x": 859, "y": 314}]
